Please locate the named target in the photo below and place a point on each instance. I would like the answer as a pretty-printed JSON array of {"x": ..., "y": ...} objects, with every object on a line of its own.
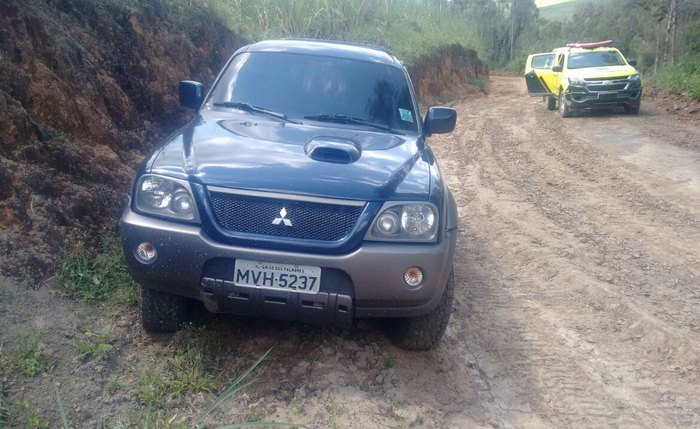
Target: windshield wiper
[
  {"x": 247, "y": 107},
  {"x": 344, "y": 119}
]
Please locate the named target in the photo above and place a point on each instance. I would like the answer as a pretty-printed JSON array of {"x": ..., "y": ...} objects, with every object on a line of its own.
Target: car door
[{"x": 539, "y": 76}]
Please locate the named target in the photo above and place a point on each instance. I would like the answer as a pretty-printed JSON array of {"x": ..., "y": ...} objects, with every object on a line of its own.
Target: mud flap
[{"x": 536, "y": 86}]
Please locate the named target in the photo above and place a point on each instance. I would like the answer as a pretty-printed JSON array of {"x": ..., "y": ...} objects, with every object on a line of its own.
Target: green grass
[
  {"x": 29, "y": 416},
  {"x": 403, "y": 423},
  {"x": 98, "y": 275},
  {"x": 255, "y": 415},
  {"x": 410, "y": 28},
  {"x": 389, "y": 360},
  {"x": 4, "y": 409},
  {"x": 97, "y": 346},
  {"x": 185, "y": 372},
  {"x": 189, "y": 372},
  {"x": 238, "y": 385},
  {"x": 61, "y": 409},
  {"x": 114, "y": 385},
  {"x": 28, "y": 357},
  {"x": 683, "y": 78},
  {"x": 151, "y": 389}
]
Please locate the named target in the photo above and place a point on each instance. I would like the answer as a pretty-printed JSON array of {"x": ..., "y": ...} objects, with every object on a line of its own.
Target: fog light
[
  {"x": 413, "y": 276},
  {"x": 145, "y": 252}
]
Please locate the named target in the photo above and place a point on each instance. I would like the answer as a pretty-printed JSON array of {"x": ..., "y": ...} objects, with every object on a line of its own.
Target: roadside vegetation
[
  {"x": 683, "y": 78},
  {"x": 409, "y": 28},
  {"x": 193, "y": 363},
  {"x": 663, "y": 35},
  {"x": 98, "y": 275}
]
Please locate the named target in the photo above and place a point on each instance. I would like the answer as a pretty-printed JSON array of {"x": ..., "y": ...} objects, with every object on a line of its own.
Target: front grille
[
  {"x": 598, "y": 84},
  {"x": 261, "y": 215},
  {"x": 593, "y": 79},
  {"x": 613, "y": 87}
]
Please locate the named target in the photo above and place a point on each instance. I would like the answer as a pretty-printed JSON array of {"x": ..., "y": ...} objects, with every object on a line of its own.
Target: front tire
[
  {"x": 564, "y": 110},
  {"x": 162, "y": 312},
  {"x": 551, "y": 102},
  {"x": 425, "y": 332},
  {"x": 632, "y": 109}
]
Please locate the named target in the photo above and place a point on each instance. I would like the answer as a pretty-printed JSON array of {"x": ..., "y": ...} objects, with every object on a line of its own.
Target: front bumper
[
  {"x": 580, "y": 97},
  {"x": 367, "y": 282}
]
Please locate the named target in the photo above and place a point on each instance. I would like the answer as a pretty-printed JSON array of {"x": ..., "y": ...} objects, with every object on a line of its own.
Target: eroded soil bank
[{"x": 86, "y": 88}]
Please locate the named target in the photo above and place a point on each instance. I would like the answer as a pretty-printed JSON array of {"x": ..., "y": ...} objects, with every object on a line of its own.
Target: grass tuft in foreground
[
  {"x": 98, "y": 275},
  {"x": 4, "y": 410},
  {"x": 29, "y": 358},
  {"x": 96, "y": 346},
  {"x": 185, "y": 372}
]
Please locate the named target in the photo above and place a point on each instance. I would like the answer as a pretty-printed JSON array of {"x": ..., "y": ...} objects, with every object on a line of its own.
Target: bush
[{"x": 683, "y": 77}]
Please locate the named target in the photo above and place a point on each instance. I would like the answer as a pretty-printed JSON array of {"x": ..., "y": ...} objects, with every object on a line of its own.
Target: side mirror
[
  {"x": 439, "y": 120},
  {"x": 191, "y": 94},
  {"x": 632, "y": 62},
  {"x": 558, "y": 68}
]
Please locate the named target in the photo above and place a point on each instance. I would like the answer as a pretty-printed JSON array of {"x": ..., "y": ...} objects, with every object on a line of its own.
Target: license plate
[
  {"x": 299, "y": 278},
  {"x": 607, "y": 96}
]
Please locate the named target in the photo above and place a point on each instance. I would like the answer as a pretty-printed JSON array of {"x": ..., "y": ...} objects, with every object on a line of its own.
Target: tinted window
[
  {"x": 300, "y": 85},
  {"x": 595, "y": 59}
]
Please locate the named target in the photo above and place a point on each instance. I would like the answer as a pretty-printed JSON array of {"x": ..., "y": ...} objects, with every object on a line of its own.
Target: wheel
[
  {"x": 563, "y": 106},
  {"x": 162, "y": 312},
  {"x": 424, "y": 332},
  {"x": 551, "y": 102},
  {"x": 632, "y": 109}
]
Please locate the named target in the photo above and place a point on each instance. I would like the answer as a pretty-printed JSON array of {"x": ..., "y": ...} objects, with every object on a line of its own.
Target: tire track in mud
[
  {"x": 600, "y": 241},
  {"x": 528, "y": 348},
  {"x": 580, "y": 286}
]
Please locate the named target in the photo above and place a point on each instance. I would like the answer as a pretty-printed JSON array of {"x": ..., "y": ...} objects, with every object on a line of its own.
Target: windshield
[
  {"x": 595, "y": 59},
  {"x": 306, "y": 85}
]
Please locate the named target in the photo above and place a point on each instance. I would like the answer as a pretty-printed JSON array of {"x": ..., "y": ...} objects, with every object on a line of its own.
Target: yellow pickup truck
[{"x": 584, "y": 76}]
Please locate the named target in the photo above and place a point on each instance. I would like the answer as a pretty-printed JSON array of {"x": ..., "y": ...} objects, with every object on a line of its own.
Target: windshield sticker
[{"x": 406, "y": 115}]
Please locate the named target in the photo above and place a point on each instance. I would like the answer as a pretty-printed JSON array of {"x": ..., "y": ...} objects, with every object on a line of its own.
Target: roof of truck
[{"x": 327, "y": 48}]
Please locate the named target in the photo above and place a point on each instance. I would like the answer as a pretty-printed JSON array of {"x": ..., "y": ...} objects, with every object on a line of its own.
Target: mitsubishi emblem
[{"x": 282, "y": 218}]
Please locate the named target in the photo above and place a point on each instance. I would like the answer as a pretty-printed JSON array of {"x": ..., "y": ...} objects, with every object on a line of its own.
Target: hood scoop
[{"x": 333, "y": 150}]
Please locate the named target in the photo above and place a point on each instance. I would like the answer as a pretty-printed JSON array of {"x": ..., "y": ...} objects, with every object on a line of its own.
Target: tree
[{"x": 671, "y": 28}]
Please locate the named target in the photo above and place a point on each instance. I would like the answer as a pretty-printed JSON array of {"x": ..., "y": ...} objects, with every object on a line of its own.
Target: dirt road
[
  {"x": 578, "y": 284},
  {"x": 578, "y": 277},
  {"x": 579, "y": 263}
]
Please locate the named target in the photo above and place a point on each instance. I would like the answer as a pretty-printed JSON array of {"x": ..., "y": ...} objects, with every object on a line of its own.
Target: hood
[
  {"x": 256, "y": 153},
  {"x": 601, "y": 72}
]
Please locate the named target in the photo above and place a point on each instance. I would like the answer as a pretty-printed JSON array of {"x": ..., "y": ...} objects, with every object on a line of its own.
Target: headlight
[
  {"x": 635, "y": 77},
  {"x": 165, "y": 197},
  {"x": 398, "y": 221},
  {"x": 417, "y": 219},
  {"x": 155, "y": 192},
  {"x": 388, "y": 223},
  {"x": 576, "y": 81}
]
